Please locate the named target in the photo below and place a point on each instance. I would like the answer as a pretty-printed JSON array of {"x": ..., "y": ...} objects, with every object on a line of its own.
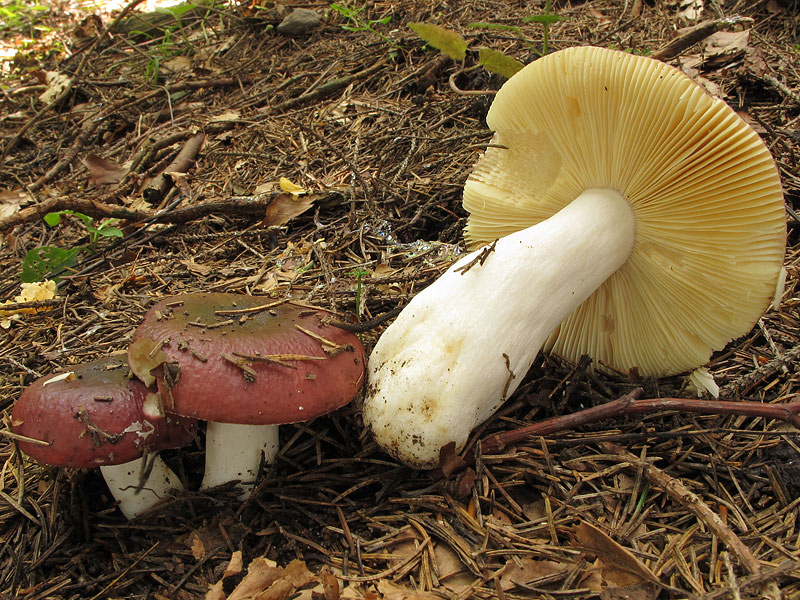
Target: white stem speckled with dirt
[
  {"x": 463, "y": 344},
  {"x": 123, "y": 481},
  {"x": 234, "y": 452}
]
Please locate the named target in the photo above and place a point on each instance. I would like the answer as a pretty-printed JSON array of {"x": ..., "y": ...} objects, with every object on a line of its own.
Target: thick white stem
[
  {"x": 123, "y": 482},
  {"x": 234, "y": 452},
  {"x": 464, "y": 343}
]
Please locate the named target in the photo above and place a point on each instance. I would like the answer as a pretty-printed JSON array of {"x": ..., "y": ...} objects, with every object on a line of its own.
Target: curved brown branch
[
  {"x": 631, "y": 404},
  {"x": 253, "y": 206}
]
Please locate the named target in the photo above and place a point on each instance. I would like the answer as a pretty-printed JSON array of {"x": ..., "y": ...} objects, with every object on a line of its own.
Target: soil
[{"x": 362, "y": 116}]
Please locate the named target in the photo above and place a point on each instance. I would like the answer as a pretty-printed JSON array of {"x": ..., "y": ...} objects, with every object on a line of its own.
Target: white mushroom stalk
[
  {"x": 135, "y": 496},
  {"x": 235, "y": 453},
  {"x": 463, "y": 345},
  {"x": 623, "y": 214}
]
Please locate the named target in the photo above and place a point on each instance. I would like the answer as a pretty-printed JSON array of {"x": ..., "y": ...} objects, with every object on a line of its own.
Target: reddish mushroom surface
[
  {"x": 91, "y": 415},
  {"x": 231, "y": 358}
]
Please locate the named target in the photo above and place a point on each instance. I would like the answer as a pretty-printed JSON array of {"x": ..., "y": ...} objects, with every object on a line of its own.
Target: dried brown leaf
[
  {"x": 235, "y": 565},
  {"x": 103, "y": 171},
  {"x": 451, "y": 571},
  {"x": 528, "y": 570},
  {"x": 285, "y": 207},
  {"x": 196, "y": 267},
  {"x": 330, "y": 586},
  {"x": 215, "y": 592},
  {"x": 391, "y": 591},
  {"x": 261, "y": 574},
  {"x": 197, "y": 547},
  {"x": 265, "y": 581},
  {"x": 11, "y": 201},
  {"x": 618, "y": 565}
]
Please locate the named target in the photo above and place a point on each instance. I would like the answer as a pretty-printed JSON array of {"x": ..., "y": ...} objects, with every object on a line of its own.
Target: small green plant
[
  {"x": 358, "y": 273},
  {"x": 103, "y": 229},
  {"x": 46, "y": 261},
  {"x": 455, "y": 46},
  {"x": 357, "y": 21},
  {"x": 164, "y": 50},
  {"x": 22, "y": 16},
  {"x": 546, "y": 19}
]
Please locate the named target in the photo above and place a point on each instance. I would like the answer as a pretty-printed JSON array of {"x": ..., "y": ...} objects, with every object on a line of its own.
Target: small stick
[
  {"x": 252, "y": 309},
  {"x": 697, "y": 34},
  {"x": 479, "y": 259},
  {"x": 156, "y": 189}
]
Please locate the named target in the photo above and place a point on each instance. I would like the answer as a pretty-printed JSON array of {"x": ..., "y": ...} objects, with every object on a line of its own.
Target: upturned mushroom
[
  {"x": 245, "y": 364},
  {"x": 623, "y": 213},
  {"x": 95, "y": 415}
]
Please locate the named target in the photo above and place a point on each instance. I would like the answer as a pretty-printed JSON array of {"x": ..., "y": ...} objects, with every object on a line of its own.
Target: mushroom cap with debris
[
  {"x": 233, "y": 358},
  {"x": 704, "y": 189},
  {"x": 94, "y": 414}
]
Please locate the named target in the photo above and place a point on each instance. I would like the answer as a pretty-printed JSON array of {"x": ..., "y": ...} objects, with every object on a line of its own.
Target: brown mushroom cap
[
  {"x": 241, "y": 359},
  {"x": 91, "y": 415},
  {"x": 703, "y": 188}
]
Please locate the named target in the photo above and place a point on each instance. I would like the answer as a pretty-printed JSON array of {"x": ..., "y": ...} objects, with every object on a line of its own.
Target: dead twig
[
  {"x": 697, "y": 34},
  {"x": 240, "y": 206},
  {"x": 157, "y": 188},
  {"x": 630, "y": 404}
]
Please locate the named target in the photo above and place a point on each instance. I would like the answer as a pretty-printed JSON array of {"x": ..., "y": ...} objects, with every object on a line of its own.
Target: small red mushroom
[
  {"x": 245, "y": 364},
  {"x": 95, "y": 415}
]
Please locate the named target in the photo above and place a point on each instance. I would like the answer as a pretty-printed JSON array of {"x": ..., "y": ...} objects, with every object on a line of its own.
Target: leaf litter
[{"x": 381, "y": 146}]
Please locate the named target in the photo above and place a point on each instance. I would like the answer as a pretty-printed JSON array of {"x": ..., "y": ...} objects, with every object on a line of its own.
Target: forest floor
[{"x": 359, "y": 113}]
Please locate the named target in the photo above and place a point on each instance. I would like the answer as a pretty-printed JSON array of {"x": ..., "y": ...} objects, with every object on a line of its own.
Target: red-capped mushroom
[
  {"x": 96, "y": 415},
  {"x": 245, "y": 364}
]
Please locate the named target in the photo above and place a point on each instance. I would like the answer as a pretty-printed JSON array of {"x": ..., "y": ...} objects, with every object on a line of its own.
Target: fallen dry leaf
[
  {"x": 103, "y": 171},
  {"x": 29, "y": 292},
  {"x": 198, "y": 548},
  {"x": 528, "y": 570},
  {"x": 177, "y": 63},
  {"x": 265, "y": 581},
  {"x": 261, "y": 573},
  {"x": 285, "y": 207},
  {"x": 391, "y": 591},
  {"x": 619, "y": 567},
  {"x": 726, "y": 44},
  {"x": 196, "y": 267},
  {"x": 215, "y": 592},
  {"x": 290, "y": 188},
  {"x": 11, "y": 201},
  {"x": 235, "y": 565},
  {"x": 330, "y": 586},
  {"x": 451, "y": 571}
]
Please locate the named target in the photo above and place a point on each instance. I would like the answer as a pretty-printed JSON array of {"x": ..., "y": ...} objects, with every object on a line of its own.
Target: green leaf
[
  {"x": 110, "y": 232},
  {"x": 449, "y": 42},
  {"x": 546, "y": 19},
  {"x": 384, "y": 21},
  {"x": 497, "y": 62},
  {"x": 40, "y": 262},
  {"x": 53, "y": 218}
]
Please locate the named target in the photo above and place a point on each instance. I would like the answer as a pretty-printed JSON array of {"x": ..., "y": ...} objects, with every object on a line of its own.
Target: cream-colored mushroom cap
[{"x": 705, "y": 192}]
